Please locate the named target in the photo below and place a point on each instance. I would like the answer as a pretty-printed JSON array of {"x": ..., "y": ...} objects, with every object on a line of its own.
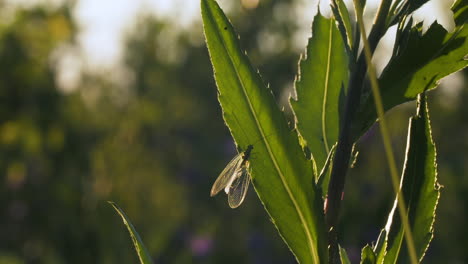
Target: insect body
[{"x": 235, "y": 179}]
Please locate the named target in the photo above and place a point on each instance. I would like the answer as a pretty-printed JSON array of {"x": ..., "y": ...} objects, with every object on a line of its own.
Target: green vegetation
[
  {"x": 328, "y": 104},
  {"x": 149, "y": 135}
]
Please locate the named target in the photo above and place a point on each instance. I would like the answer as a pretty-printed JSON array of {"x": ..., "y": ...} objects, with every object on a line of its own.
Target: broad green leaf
[
  {"x": 281, "y": 175},
  {"x": 142, "y": 252},
  {"x": 319, "y": 87},
  {"x": 421, "y": 61},
  {"x": 380, "y": 248},
  {"x": 344, "y": 256},
  {"x": 368, "y": 255},
  {"x": 419, "y": 188}
]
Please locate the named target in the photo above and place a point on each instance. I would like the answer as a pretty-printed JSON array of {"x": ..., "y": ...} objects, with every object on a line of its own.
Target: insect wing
[
  {"x": 226, "y": 176},
  {"x": 239, "y": 187}
]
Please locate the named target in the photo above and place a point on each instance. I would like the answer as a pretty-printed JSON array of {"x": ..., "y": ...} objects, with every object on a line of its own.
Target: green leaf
[
  {"x": 460, "y": 10},
  {"x": 402, "y": 9},
  {"x": 325, "y": 174},
  {"x": 319, "y": 88},
  {"x": 380, "y": 248},
  {"x": 412, "y": 5},
  {"x": 368, "y": 255},
  {"x": 415, "y": 4},
  {"x": 281, "y": 175},
  {"x": 140, "y": 248},
  {"x": 421, "y": 61},
  {"x": 419, "y": 188},
  {"x": 340, "y": 11},
  {"x": 344, "y": 256}
]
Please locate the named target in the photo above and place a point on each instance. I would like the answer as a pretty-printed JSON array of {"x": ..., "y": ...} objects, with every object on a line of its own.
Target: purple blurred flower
[{"x": 201, "y": 245}]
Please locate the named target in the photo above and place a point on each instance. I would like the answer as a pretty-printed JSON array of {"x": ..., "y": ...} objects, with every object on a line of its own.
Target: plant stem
[
  {"x": 342, "y": 157},
  {"x": 388, "y": 147},
  {"x": 345, "y": 139}
]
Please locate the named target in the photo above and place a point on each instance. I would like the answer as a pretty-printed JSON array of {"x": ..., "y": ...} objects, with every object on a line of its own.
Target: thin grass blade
[{"x": 142, "y": 252}]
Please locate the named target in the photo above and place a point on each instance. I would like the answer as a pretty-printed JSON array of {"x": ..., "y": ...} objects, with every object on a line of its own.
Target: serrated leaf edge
[{"x": 314, "y": 253}]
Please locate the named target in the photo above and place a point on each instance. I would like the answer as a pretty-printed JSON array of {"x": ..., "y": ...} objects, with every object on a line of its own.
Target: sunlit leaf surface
[
  {"x": 344, "y": 256},
  {"x": 319, "y": 88},
  {"x": 281, "y": 175},
  {"x": 423, "y": 60},
  {"x": 344, "y": 22},
  {"x": 419, "y": 188},
  {"x": 368, "y": 256},
  {"x": 380, "y": 247}
]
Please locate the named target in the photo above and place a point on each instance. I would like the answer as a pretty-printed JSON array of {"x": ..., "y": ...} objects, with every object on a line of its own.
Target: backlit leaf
[
  {"x": 419, "y": 188},
  {"x": 281, "y": 175},
  {"x": 368, "y": 255},
  {"x": 319, "y": 88},
  {"x": 419, "y": 64},
  {"x": 142, "y": 252}
]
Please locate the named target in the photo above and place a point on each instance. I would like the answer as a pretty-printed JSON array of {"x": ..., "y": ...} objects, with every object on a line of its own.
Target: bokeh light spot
[
  {"x": 16, "y": 173},
  {"x": 250, "y": 4}
]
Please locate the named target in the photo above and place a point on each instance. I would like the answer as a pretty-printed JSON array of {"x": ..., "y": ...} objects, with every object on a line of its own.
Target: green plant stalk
[
  {"x": 386, "y": 138},
  {"x": 345, "y": 140}
]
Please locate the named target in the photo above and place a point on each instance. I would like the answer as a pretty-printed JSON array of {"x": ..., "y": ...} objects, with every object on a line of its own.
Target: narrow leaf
[
  {"x": 421, "y": 61},
  {"x": 380, "y": 248},
  {"x": 401, "y": 9},
  {"x": 368, "y": 256},
  {"x": 344, "y": 256},
  {"x": 325, "y": 174},
  {"x": 323, "y": 74},
  {"x": 419, "y": 188},
  {"x": 140, "y": 248},
  {"x": 340, "y": 11},
  {"x": 414, "y": 4},
  {"x": 281, "y": 175}
]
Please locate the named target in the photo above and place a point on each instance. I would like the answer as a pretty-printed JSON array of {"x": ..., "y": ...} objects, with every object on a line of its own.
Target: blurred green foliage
[{"x": 155, "y": 142}]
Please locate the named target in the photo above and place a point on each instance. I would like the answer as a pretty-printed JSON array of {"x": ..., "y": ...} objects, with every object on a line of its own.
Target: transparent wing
[
  {"x": 226, "y": 176},
  {"x": 239, "y": 187}
]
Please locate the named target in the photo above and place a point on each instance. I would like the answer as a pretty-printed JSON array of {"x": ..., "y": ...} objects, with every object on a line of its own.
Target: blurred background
[{"x": 115, "y": 100}]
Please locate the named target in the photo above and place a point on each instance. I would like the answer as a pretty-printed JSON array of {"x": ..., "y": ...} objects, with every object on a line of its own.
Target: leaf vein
[
  {"x": 270, "y": 152},
  {"x": 325, "y": 89}
]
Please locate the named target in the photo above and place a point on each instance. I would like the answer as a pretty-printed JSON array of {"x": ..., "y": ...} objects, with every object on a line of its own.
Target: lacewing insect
[{"x": 234, "y": 179}]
